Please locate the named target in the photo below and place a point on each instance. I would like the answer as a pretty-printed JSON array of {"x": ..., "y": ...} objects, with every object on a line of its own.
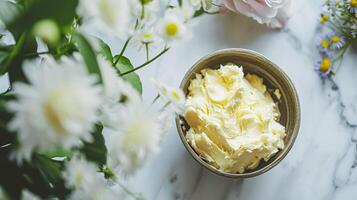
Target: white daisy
[
  {"x": 172, "y": 27},
  {"x": 109, "y": 16},
  {"x": 145, "y": 36},
  {"x": 80, "y": 174},
  {"x": 173, "y": 98},
  {"x": 100, "y": 191},
  {"x": 117, "y": 93},
  {"x": 27, "y": 195},
  {"x": 147, "y": 12},
  {"x": 205, "y": 4},
  {"x": 87, "y": 183},
  {"x": 137, "y": 137},
  {"x": 57, "y": 107}
]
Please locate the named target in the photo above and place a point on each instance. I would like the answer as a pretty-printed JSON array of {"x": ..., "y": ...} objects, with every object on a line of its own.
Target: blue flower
[
  {"x": 323, "y": 45},
  {"x": 352, "y": 6},
  {"x": 324, "y": 67},
  {"x": 336, "y": 40}
]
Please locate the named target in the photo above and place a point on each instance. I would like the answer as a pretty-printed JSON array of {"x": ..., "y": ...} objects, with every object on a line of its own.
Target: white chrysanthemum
[
  {"x": 109, "y": 16},
  {"x": 100, "y": 191},
  {"x": 187, "y": 10},
  {"x": 145, "y": 36},
  {"x": 172, "y": 27},
  {"x": 57, "y": 107},
  {"x": 87, "y": 183},
  {"x": 173, "y": 98},
  {"x": 27, "y": 195},
  {"x": 117, "y": 93},
  {"x": 138, "y": 136},
  {"x": 148, "y": 16},
  {"x": 80, "y": 174},
  {"x": 206, "y": 4}
]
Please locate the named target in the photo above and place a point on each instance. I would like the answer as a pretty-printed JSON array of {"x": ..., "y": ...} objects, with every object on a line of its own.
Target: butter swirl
[{"x": 233, "y": 119}]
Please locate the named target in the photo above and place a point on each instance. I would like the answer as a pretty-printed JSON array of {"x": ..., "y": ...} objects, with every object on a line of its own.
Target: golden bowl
[{"x": 274, "y": 78}]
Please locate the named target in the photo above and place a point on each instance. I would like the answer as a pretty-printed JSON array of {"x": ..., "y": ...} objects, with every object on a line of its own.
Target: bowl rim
[{"x": 289, "y": 144}]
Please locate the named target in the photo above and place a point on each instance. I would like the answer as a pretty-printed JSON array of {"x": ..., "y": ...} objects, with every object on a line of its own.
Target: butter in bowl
[{"x": 242, "y": 113}]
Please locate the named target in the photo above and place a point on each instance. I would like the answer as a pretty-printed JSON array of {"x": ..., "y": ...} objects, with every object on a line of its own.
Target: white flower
[
  {"x": 80, "y": 174},
  {"x": 145, "y": 36},
  {"x": 147, "y": 13},
  {"x": 117, "y": 93},
  {"x": 172, "y": 27},
  {"x": 173, "y": 98},
  {"x": 57, "y": 107},
  {"x": 138, "y": 136},
  {"x": 87, "y": 183},
  {"x": 206, "y": 4},
  {"x": 27, "y": 195},
  {"x": 109, "y": 16},
  {"x": 101, "y": 191}
]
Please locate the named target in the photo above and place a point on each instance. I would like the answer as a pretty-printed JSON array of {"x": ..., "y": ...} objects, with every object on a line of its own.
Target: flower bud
[{"x": 48, "y": 31}]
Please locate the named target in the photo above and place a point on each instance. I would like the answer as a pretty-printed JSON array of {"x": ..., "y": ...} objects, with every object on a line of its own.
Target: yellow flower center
[
  {"x": 147, "y": 35},
  {"x": 147, "y": 38},
  {"x": 325, "y": 65},
  {"x": 324, "y": 18},
  {"x": 52, "y": 114},
  {"x": 171, "y": 29},
  {"x": 353, "y": 3},
  {"x": 109, "y": 13},
  {"x": 58, "y": 107},
  {"x": 335, "y": 39},
  {"x": 175, "y": 95},
  {"x": 79, "y": 179},
  {"x": 325, "y": 43}
]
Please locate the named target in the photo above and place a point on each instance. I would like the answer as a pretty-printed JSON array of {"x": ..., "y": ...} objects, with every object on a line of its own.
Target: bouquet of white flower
[{"x": 66, "y": 87}]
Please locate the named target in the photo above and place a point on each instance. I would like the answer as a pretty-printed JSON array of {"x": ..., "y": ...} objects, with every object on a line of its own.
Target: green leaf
[
  {"x": 88, "y": 54},
  {"x": 61, "y": 11},
  {"x": 125, "y": 65},
  {"x": 59, "y": 152},
  {"x": 8, "y": 10},
  {"x": 3, "y": 56},
  {"x": 49, "y": 169},
  {"x": 96, "y": 151},
  {"x": 13, "y": 62},
  {"x": 199, "y": 12},
  {"x": 105, "y": 51}
]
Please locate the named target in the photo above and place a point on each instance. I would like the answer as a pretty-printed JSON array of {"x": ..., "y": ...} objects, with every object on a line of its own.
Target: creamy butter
[{"x": 233, "y": 119}]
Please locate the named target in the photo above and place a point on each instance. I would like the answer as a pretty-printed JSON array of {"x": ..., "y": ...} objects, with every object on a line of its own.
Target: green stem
[
  {"x": 165, "y": 106},
  {"x": 340, "y": 58},
  {"x": 142, "y": 11},
  {"x": 146, "y": 63},
  {"x": 14, "y": 52},
  {"x": 211, "y": 13},
  {"x": 135, "y": 196},
  {"x": 155, "y": 99},
  {"x": 36, "y": 54},
  {"x": 147, "y": 51},
  {"x": 122, "y": 51}
]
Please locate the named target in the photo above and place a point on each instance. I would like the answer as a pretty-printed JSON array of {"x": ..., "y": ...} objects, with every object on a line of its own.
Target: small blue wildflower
[
  {"x": 324, "y": 67},
  {"x": 336, "y": 40}
]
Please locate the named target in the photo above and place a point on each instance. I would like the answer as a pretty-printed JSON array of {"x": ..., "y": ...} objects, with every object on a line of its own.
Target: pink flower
[{"x": 274, "y": 13}]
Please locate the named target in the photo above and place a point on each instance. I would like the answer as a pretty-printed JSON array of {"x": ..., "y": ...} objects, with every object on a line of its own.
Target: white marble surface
[{"x": 322, "y": 163}]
